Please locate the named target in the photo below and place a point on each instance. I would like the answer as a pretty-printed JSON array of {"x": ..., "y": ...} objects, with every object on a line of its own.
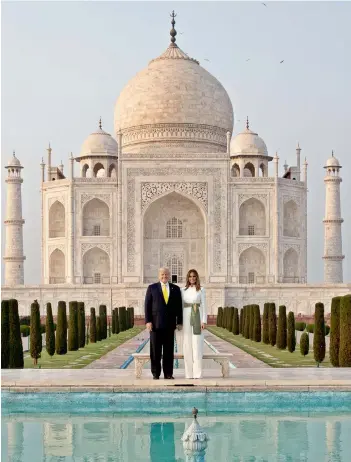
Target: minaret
[
  {"x": 298, "y": 162},
  {"x": 333, "y": 256},
  {"x": 14, "y": 270}
]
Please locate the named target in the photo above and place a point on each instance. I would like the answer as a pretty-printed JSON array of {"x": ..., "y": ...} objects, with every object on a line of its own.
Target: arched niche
[
  {"x": 57, "y": 222},
  {"x": 112, "y": 171},
  {"x": 96, "y": 218},
  {"x": 85, "y": 171},
  {"x": 291, "y": 219},
  {"x": 252, "y": 266},
  {"x": 252, "y": 218},
  {"x": 235, "y": 171},
  {"x": 99, "y": 170},
  {"x": 96, "y": 266},
  {"x": 57, "y": 267},
  {"x": 291, "y": 266},
  {"x": 249, "y": 170}
]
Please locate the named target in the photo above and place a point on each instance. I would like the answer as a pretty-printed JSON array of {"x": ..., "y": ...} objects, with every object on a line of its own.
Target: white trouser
[{"x": 193, "y": 346}]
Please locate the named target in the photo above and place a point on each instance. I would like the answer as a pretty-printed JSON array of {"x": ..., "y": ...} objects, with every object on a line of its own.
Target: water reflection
[{"x": 236, "y": 438}]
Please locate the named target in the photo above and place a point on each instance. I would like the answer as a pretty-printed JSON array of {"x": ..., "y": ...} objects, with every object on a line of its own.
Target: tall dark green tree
[
  {"x": 282, "y": 328},
  {"x": 246, "y": 322},
  {"x": 257, "y": 332},
  {"x": 220, "y": 317},
  {"x": 345, "y": 332},
  {"x": 113, "y": 321},
  {"x": 92, "y": 326},
  {"x": 335, "y": 331},
  {"x": 61, "y": 329},
  {"x": 36, "y": 344},
  {"x": 319, "y": 334},
  {"x": 81, "y": 325},
  {"x": 73, "y": 343},
  {"x": 5, "y": 351},
  {"x": 15, "y": 341},
  {"x": 231, "y": 318},
  {"x": 127, "y": 319},
  {"x": 304, "y": 344},
  {"x": 236, "y": 323},
  {"x": 98, "y": 328},
  {"x": 103, "y": 321},
  {"x": 291, "y": 339},
  {"x": 49, "y": 331},
  {"x": 265, "y": 327},
  {"x": 272, "y": 324},
  {"x": 122, "y": 315},
  {"x": 241, "y": 321},
  {"x": 117, "y": 321}
]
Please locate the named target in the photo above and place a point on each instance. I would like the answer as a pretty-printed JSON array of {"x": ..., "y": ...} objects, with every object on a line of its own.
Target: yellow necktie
[{"x": 165, "y": 294}]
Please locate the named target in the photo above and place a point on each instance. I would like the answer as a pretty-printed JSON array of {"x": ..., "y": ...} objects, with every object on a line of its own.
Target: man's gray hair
[{"x": 164, "y": 270}]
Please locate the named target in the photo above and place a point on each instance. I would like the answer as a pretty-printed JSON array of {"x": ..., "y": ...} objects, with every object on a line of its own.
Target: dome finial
[
  {"x": 332, "y": 152},
  {"x": 247, "y": 123},
  {"x": 14, "y": 153},
  {"x": 100, "y": 123},
  {"x": 173, "y": 32}
]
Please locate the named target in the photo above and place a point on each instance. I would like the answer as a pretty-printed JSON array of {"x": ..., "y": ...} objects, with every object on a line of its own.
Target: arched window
[
  {"x": 85, "y": 171},
  {"x": 235, "y": 170},
  {"x": 263, "y": 169},
  {"x": 174, "y": 228},
  {"x": 175, "y": 266},
  {"x": 252, "y": 266},
  {"x": 57, "y": 220},
  {"x": 57, "y": 267},
  {"x": 291, "y": 266},
  {"x": 252, "y": 218},
  {"x": 112, "y": 171},
  {"x": 99, "y": 170},
  {"x": 96, "y": 267},
  {"x": 249, "y": 170},
  {"x": 291, "y": 219},
  {"x": 96, "y": 218}
]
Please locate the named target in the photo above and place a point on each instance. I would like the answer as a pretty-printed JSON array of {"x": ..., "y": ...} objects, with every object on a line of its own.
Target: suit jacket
[{"x": 161, "y": 315}]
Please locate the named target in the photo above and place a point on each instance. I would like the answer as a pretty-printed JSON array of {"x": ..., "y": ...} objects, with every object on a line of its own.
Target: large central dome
[{"x": 174, "y": 105}]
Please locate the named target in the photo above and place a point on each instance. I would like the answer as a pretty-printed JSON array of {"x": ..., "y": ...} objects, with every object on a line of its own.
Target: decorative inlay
[
  {"x": 103, "y": 197},
  {"x": 52, "y": 248},
  {"x": 87, "y": 246},
  {"x": 296, "y": 247},
  {"x": 151, "y": 190},
  {"x": 244, "y": 197},
  {"x": 292, "y": 197},
  {"x": 261, "y": 246},
  {"x": 60, "y": 199}
]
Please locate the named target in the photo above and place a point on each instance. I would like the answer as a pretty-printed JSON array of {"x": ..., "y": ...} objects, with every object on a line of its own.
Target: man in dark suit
[{"x": 163, "y": 314}]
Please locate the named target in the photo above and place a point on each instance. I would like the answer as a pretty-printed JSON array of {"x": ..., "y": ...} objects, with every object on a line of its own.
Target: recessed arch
[
  {"x": 252, "y": 266},
  {"x": 235, "y": 171},
  {"x": 99, "y": 170},
  {"x": 291, "y": 219},
  {"x": 85, "y": 171},
  {"x": 57, "y": 267},
  {"x": 57, "y": 222},
  {"x": 96, "y": 266},
  {"x": 291, "y": 266},
  {"x": 112, "y": 171},
  {"x": 249, "y": 170},
  {"x": 263, "y": 169},
  {"x": 252, "y": 218},
  {"x": 96, "y": 218}
]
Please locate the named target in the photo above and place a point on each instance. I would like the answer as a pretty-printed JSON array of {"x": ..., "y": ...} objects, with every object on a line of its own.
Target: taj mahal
[{"x": 174, "y": 186}]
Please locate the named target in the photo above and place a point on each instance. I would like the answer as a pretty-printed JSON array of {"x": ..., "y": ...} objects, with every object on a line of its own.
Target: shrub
[
  {"x": 127, "y": 319},
  {"x": 5, "y": 334},
  {"x": 113, "y": 321},
  {"x": 246, "y": 322},
  {"x": 50, "y": 331},
  {"x": 335, "y": 331},
  {"x": 36, "y": 343},
  {"x": 241, "y": 319},
  {"x": 319, "y": 334},
  {"x": 310, "y": 328},
  {"x": 219, "y": 317},
  {"x": 103, "y": 321},
  {"x": 117, "y": 321},
  {"x": 272, "y": 324},
  {"x": 304, "y": 344},
  {"x": 300, "y": 326},
  {"x": 15, "y": 341},
  {"x": 81, "y": 325},
  {"x": 98, "y": 329},
  {"x": 345, "y": 332},
  {"x": 282, "y": 333},
  {"x": 250, "y": 321},
  {"x": 73, "y": 343},
  {"x": 109, "y": 329},
  {"x": 92, "y": 326},
  {"x": 265, "y": 333},
  {"x": 122, "y": 315},
  {"x": 25, "y": 321},
  {"x": 61, "y": 330},
  {"x": 236, "y": 323},
  {"x": 87, "y": 334},
  {"x": 132, "y": 312},
  {"x": 291, "y": 336},
  {"x": 25, "y": 330},
  {"x": 256, "y": 323}
]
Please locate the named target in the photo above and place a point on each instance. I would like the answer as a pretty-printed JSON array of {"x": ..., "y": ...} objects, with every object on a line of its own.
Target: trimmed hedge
[
  {"x": 265, "y": 333},
  {"x": 117, "y": 321},
  {"x": 5, "y": 350},
  {"x": 36, "y": 344},
  {"x": 25, "y": 321},
  {"x": 98, "y": 329},
  {"x": 256, "y": 323},
  {"x": 219, "y": 320},
  {"x": 272, "y": 324},
  {"x": 92, "y": 326},
  {"x": 73, "y": 343},
  {"x": 300, "y": 326},
  {"x": 282, "y": 329},
  {"x": 15, "y": 342},
  {"x": 50, "y": 331},
  {"x": 81, "y": 325},
  {"x": 345, "y": 332},
  {"x": 304, "y": 344},
  {"x": 103, "y": 321},
  {"x": 122, "y": 316},
  {"x": 61, "y": 329},
  {"x": 335, "y": 331},
  {"x": 291, "y": 336},
  {"x": 319, "y": 334},
  {"x": 241, "y": 319},
  {"x": 236, "y": 322},
  {"x": 246, "y": 322},
  {"x": 310, "y": 328},
  {"x": 25, "y": 330}
]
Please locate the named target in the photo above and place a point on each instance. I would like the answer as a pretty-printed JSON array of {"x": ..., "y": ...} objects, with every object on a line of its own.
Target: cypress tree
[
  {"x": 132, "y": 311},
  {"x": 122, "y": 315},
  {"x": 49, "y": 331},
  {"x": 98, "y": 328},
  {"x": 81, "y": 325},
  {"x": 113, "y": 321},
  {"x": 256, "y": 323},
  {"x": 241, "y": 319},
  {"x": 319, "y": 334},
  {"x": 5, "y": 351},
  {"x": 117, "y": 321},
  {"x": 236, "y": 323},
  {"x": 291, "y": 339},
  {"x": 335, "y": 331},
  {"x": 73, "y": 343},
  {"x": 345, "y": 331},
  {"x": 36, "y": 343},
  {"x": 250, "y": 315},
  {"x": 219, "y": 317},
  {"x": 103, "y": 321},
  {"x": 61, "y": 329},
  {"x": 109, "y": 329},
  {"x": 92, "y": 326},
  {"x": 127, "y": 319},
  {"x": 282, "y": 333},
  {"x": 15, "y": 341},
  {"x": 231, "y": 318},
  {"x": 246, "y": 322},
  {"x": 265, "y": 334},
  {"x": 87, "y": 334},
  {"x": 272, "y": 324},
  {"x": 304, "y": 344}
]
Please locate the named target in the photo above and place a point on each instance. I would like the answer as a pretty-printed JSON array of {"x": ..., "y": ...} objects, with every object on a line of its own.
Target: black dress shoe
[
  {"x": 169, "y": 377},
  {"x": 155, "y": 377}
]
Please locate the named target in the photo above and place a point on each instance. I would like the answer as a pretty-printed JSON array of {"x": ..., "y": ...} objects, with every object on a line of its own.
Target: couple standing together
[{"x": 167, "y": 308}]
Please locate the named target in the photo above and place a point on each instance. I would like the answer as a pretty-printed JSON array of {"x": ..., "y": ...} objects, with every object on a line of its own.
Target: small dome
[
  {"x": 99, "y": 143},
  {"x": 332, "y": 162},
  {"x": 248, "y": 143},
  {"x": 14, "y": 162}
]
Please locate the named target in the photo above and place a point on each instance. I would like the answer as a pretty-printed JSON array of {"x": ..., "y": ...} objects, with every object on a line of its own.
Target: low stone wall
[{"x": 299, "y": 298}]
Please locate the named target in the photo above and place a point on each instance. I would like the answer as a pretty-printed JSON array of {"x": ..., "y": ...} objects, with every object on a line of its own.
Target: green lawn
[
  {"x": 84, "y": 356},
  {"x": 268, "y": 354}
]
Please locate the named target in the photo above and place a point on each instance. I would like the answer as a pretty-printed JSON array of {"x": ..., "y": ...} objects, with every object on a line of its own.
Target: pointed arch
[
  {"x": 57, "y": 220},
  {"x": 85, "y": 171},
  {"x": 98, "y": 170},
  {"x": 252, "y": 218},
  {"x": 96, "y": 218},
  {"x": 291, "y": 219},
  {"x": 235, "y": 171},
  {"x": 112, "y": 171},
  {"x": 249, "y": 170},
  {"x": 96, "y": 266},
  {"x": 57, "y": 267},
  {"x": 252, "y": 266},
  {"x": 291, "y": 266}
]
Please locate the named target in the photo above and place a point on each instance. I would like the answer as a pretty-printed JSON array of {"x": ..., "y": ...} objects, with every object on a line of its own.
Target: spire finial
[
  {"x": 173, "y": 32},
  {"x": 14, "y": 153},
  {"x": 100, "y": 123},
  {"x": 247, "y": 123},
  {"x": 49, "y": 148},
  {"x": 332, "y": 152}
]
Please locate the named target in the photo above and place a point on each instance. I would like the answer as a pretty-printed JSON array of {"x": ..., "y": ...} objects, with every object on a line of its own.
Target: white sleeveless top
[{"x": 191, "y": 295}]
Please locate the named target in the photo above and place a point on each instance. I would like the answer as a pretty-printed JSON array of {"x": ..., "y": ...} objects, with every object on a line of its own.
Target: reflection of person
[
  {"x": 162, "y": 446},
  {"x": 194, "y": 321},
  {"x": 163, "y": 313}
]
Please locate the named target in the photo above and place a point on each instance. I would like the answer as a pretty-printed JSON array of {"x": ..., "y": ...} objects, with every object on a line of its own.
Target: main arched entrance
[{"x": 173, "y": 236}]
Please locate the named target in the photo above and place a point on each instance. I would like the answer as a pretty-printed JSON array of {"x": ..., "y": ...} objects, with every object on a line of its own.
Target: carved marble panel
[{"x": 87, "y": 246}]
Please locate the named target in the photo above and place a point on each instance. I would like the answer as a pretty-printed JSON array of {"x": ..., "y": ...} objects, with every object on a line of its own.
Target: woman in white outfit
[{"x": 194, "y": 322}]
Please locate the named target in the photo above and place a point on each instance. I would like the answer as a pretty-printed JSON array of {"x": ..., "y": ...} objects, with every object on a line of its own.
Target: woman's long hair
[{"x": 187, "y": 285}]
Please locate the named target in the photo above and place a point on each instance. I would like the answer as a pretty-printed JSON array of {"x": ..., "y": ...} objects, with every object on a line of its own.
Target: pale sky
[{"x": 65, "y": 63}]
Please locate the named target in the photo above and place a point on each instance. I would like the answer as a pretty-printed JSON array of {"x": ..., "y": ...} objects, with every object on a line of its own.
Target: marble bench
[{"x": 221, "y": 358}]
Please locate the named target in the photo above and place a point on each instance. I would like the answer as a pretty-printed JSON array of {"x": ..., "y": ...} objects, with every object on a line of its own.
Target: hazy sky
[{"x": 64, "y": 64}]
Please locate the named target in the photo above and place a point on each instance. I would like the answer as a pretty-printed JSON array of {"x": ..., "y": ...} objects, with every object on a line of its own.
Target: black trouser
[{"x": 162, "y": 339}]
